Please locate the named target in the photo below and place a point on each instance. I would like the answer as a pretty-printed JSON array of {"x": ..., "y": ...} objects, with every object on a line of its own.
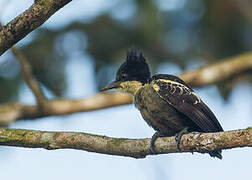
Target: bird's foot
[
  {"x": 198, "y": 134},
  {"x": 179, "y": 135},
  {"x": 153, "y": 139}
]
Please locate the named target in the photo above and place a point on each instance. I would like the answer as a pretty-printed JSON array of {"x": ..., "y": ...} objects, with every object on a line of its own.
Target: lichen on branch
[{"x": 136, "y": 148}]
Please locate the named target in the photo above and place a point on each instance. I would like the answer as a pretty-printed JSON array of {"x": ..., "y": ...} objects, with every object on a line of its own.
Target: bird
[{"x": 166, "y": 102}]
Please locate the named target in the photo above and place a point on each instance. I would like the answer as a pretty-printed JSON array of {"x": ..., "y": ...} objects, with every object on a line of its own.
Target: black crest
[{"x": 134, "y": 68}]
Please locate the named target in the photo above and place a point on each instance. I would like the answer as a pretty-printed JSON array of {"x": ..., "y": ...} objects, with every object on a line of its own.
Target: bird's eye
[{"x": 124, "y": 76}]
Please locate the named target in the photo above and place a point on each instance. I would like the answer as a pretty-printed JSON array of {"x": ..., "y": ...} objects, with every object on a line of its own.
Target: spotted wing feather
[{"x": 175, "y": 92}]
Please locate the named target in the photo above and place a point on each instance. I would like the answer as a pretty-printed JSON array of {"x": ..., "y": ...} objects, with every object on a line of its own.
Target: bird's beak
[{"x": 115, "y": 84}]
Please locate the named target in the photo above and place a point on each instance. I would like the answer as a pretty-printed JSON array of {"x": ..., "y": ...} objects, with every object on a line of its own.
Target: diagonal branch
[
  {"x": 224, "y": 69},
  {"x": 199, "y": 77},
  {"x": 22, "y": 25},
  {"x": 28, "y": 77},
  {"x": 137, "y": 148}
]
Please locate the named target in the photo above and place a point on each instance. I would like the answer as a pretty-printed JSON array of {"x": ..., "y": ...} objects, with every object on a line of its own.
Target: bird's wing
[{"x": 184, "y": 99}]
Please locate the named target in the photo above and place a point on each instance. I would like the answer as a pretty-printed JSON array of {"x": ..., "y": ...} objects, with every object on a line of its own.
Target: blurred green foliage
[{"x": 180, "y": 33}]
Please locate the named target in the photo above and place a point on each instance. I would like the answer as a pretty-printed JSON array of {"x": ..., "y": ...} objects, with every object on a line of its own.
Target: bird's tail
[{"x": 216, "y": 154}]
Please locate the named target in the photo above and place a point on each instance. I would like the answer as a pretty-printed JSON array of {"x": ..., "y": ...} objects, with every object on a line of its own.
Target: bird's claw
[
  {"x": 153, "y": 139},
  {"x": 179, "y": 135},
  {"x": 152, "y": 150}
]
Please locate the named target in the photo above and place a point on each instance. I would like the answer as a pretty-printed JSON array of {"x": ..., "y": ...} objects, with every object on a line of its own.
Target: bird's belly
[{"x": 158, "y": 113}]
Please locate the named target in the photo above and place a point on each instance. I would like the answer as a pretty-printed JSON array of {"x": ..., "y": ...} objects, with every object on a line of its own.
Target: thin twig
[
  {"x": 28, "y": 77},
  {"x": 137, "y": 148}
]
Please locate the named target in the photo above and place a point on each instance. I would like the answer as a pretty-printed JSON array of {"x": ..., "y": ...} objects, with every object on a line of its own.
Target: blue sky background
[{"x": 123, "y": 121}]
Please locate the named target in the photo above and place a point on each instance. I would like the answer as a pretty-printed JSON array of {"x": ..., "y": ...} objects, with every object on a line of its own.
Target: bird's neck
[{"x": 130, "y": 87}]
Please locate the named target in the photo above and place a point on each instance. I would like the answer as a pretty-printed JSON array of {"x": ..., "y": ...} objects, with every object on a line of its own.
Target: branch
[
  {"x": 22, "y": 25},
  {"x": 199, "y": 77},
  {"x": 137, "y": 148},
  {"x": 218, "y": 72},
  {"x": 28, "y": 77},
  {"x": 11, "y": 112}
]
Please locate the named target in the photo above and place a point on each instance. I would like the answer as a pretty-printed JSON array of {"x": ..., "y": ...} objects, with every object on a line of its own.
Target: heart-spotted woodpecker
[{"x": 165, "y": 101}]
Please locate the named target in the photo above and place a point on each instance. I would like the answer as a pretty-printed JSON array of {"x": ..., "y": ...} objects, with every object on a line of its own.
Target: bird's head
[{"x": 132, "y": 74}]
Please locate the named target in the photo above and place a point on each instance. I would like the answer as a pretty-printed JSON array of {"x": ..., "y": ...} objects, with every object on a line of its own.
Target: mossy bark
[
  {"x": 29, "y": 20},
  {"x": 137, "y": 148}
]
